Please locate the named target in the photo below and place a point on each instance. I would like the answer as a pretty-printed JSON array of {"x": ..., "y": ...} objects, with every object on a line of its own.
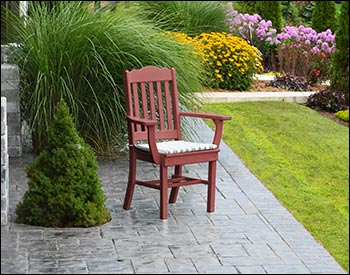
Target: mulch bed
[{"x": 334, "y": 118}]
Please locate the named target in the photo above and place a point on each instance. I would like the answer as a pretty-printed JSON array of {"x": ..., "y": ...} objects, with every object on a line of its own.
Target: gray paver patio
[{"x": 249, "y": 233}]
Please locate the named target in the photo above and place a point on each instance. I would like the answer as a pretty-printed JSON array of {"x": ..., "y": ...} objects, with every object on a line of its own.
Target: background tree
[
  {"x": 270, "y": 10},
  {"x": 340, "y": 59},
  {"x": 324, "y": 16},
  {"x": 245, "y": 6}
]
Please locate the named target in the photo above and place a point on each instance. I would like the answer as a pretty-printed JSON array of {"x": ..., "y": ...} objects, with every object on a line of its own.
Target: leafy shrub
[
  {"x": 296, "y": 13},
  {"x": 290, "y": 14},
  {"x": 306, "y": 11},
  {"x": 79, "y": 54},
  {"x": 290, "y": 82},
  {"x": 190, "y": 17},
  {"x": 343, "y": 115},
  {"x": 331, "y": 101},
  {"x": 64, "y": 188}
]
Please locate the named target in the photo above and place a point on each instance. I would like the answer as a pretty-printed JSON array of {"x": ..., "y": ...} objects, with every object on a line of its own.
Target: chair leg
[
  {"x": 175, "y": 190},
  {"x": 211, "y": 186},
  {"x": 131, "y": 182},
  {"x": 163, "y": 192}
]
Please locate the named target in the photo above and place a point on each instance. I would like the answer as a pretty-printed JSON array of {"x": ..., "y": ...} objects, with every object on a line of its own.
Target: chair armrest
[
  {"x": 204, "y": 115},
  {"x": 151, "y": 134},
  {"x": 217, "y": 119},
  {"x": 141, "y": 121}
]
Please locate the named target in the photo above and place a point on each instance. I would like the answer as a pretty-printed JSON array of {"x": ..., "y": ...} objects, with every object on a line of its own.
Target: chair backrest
[{"x": 151, "y": 93}]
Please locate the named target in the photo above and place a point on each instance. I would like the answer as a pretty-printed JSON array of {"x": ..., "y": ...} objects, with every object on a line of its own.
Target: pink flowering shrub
[{"x": 304, "y": 52}]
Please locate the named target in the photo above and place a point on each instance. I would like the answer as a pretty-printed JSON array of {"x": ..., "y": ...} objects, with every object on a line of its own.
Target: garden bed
[
  {"x": 262, "y": 86},
  {"x": 334, "y": 118}
]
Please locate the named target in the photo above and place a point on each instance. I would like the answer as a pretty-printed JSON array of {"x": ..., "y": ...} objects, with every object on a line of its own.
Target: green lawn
[{"x": 302, "y": 157}]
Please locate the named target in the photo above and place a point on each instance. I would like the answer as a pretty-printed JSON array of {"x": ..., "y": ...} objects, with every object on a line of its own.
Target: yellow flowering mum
[{"x": 229, "y": 60}]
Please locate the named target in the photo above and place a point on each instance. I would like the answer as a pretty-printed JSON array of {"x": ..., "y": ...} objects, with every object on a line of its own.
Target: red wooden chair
[{"x": 153, "y": 118}]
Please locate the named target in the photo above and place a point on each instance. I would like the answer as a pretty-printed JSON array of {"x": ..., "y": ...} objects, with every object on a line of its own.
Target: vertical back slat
[
  {"x": 160, "y": 105},
  {"x": 144, "y": 100},
  {"x": 175, "y": 104},
  {"x": 151, "y": 100},
  {"x": 136, "y": 111},
  {"x": 168, "y": 105},
  {"x": 128, "y": 95}
]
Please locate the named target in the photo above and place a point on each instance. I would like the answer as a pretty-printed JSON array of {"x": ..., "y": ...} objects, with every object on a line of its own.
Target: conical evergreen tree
[
  {"x": 340, "y": 59},
  {"x": 323, "y": 16},
  {"x": 270, "y": 10},
  {"x": 64, "y": 188}
]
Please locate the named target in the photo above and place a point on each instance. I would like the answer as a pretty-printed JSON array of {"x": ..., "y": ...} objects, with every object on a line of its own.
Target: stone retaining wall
[
  {"x": 11, "y": 145},
  {"x": 4, "y": 163},
  {"x": 10, "y": 90}
]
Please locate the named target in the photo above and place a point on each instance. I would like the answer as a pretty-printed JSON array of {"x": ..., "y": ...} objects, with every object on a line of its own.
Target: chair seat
[{"x": 177, "y": 146}]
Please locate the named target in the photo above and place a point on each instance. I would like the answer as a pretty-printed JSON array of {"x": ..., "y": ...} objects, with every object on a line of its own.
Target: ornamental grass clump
[
  {"x": 77, "y": 53},
  {"x": 64, "y": 188},
  {"x": 190, "y": 17}
]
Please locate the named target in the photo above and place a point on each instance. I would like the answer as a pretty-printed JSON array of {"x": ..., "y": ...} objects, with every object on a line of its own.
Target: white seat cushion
[{"x": 177, "y": 146}]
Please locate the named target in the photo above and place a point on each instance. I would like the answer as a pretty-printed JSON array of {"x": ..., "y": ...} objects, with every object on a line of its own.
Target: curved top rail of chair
[{"x": 150, "y": 74}]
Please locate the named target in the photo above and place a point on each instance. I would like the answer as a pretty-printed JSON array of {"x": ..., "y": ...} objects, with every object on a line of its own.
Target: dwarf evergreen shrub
[{"x": 64, "y": 188}]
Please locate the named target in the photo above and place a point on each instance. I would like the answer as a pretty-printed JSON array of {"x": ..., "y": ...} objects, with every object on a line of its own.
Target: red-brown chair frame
[{"x": 153, "y": 114}]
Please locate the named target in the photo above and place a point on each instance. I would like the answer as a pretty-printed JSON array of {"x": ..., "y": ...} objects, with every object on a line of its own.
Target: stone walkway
[{"x": 249, "y": 233}]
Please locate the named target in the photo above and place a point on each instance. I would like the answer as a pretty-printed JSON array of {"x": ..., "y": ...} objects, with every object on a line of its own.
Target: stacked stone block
[
  {"x": 10, "y": 90},
  {"x": 11, "y": 145},
  {"x": 4, "y": 163},
  {"x": 4, "y": 53}
]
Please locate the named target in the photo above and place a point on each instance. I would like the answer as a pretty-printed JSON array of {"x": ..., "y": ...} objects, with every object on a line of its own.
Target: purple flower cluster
[
  {"x": 298, "y": 37},
  {"x": 252, "y": 28}
]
